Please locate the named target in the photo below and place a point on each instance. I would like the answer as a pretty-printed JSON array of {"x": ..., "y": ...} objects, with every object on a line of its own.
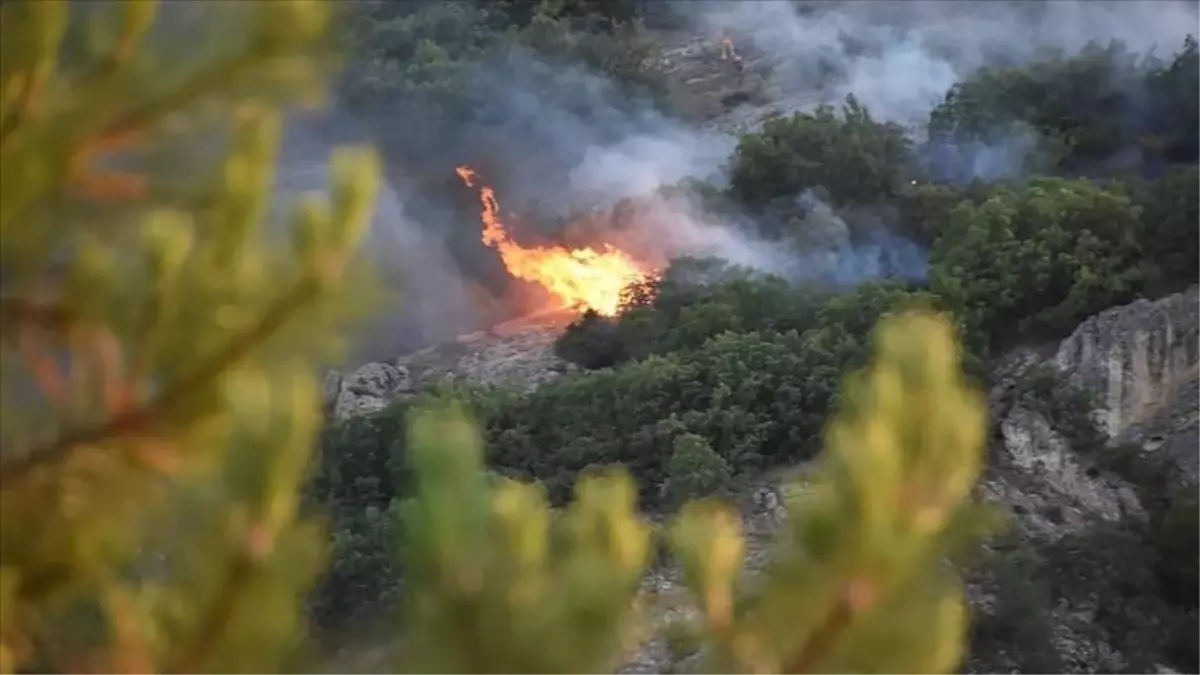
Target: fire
[
  {"x": 727, "y": 50},
  {"x": 582, "y": 277}
]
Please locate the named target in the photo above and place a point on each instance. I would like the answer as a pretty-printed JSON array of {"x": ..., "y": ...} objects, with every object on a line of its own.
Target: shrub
[
  {"x": 695, "y": 470},
  {"x": 1038, "y": 257},
  {"x": 1170, "y": 207},
  {"x": 1018, "y": 630},
  {"x": 1176, "y": 536},
  {"x": 501, "y": 583},
  {"x": 856, "y": 159}
]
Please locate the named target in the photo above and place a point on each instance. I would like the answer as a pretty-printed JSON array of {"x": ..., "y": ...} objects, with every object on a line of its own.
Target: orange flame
[
  {"x": 582, "y": 277},
  {"x": 727, "y": 50}
]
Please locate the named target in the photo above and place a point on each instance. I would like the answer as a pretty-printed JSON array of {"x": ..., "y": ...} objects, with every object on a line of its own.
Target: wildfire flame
[
  {"x": 581, "y": 277},
  {"x": 727, "y": 50}
]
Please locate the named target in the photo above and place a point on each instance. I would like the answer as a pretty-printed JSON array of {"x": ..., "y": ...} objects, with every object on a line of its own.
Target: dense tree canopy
[
  {"x": 1050, "y": 253},
  {"x": 854, "y": 158},
  {"x": 1089, "y": 109}
]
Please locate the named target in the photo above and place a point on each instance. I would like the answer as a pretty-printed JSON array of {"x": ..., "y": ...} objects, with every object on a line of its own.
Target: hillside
[
  {"x": 1075, "y": 297},
  {"x": 1139, "y": 363},
  {"x": 883, "y": 352}
]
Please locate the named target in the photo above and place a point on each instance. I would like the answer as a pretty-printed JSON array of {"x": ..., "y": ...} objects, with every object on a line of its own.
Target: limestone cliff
[{"x": 1137, "y": 358}]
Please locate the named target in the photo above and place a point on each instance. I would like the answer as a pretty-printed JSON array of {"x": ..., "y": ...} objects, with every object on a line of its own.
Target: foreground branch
[{"x": 14, "y": 470}]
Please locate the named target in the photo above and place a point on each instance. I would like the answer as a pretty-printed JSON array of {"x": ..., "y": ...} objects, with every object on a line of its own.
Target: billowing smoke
[
  {"x": 414, "y": 266},
  {"x": 900, "y": 58},
  {"x": 569, "y": 138},
  {"x": 555, "y": 139},
  {"x": 841, "y": 259}
]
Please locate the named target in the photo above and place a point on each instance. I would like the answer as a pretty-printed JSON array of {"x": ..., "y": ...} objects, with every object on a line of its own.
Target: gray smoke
[
  {"x": 554, "y": 139},
  {"x": 572, "y": 139},
  {"x": 900, "y": 58},
  {"x": 832, "y": 255},
  {"x": 413, "y": 265}
]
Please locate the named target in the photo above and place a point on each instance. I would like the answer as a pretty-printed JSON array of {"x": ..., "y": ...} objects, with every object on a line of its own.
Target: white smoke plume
[
  {"x": 411, "y": 263},
  {"x": 900, "y": 58}
]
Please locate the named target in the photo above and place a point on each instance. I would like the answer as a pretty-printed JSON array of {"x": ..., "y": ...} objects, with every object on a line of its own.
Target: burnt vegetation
[{"x": 713, "y": 373}]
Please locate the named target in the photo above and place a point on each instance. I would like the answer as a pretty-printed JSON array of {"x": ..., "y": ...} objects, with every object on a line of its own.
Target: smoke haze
[
  {"x": 558, "y": 139},
  {"x": 900, "y": 58}
]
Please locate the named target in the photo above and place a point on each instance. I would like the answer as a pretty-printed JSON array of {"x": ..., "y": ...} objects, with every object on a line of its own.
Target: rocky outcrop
[
  {"x": 1136, "y": 358},
  {"x": 520, "y": 357},
  {"x": 1139, "y": 364}
]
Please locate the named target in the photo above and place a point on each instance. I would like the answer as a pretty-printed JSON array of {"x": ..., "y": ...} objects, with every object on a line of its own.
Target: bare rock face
[
  {"x": 1139, "y": 364},
  {"x": 1049, "y": 486},
  {"x": 1136, "y": 358},
  {"x": 522, "y": 358},
  {"x": 1033, "y": 469},
  {"x": 371, "y": 388}
]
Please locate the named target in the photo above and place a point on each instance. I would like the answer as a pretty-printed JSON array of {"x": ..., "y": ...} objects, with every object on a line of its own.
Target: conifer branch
[
  {"x": 16, "y": 312},
  {"x": 191, "y": 659},
  {"x": 822, "y": 640},
  {"x": 26, "y": 89},
  {"x": 134, "y": 420}
]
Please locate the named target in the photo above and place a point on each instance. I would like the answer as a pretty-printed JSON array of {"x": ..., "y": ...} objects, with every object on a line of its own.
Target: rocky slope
[
  {"x": 711, "y": 91},
  {"x": 517, "y": 354},
  {"x": 1140, "y": 363}
]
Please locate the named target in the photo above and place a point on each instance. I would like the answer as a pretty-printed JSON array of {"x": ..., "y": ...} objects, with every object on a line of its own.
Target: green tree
[
  {"x": 853, "y": 157},
  {"x": 923, "y": 209},
  {"x": 1169, "y": 236},
  {"x": 1040, "y": 256},
  {"x": 1055, "y": 98},
  {"x": 1087, "y": 108},
  {"x": 1176, "y": 535},
  {"x": 591, "y": 342},
  {"x": 695, "y": 470},
  {"x": 159, "y": 400}
]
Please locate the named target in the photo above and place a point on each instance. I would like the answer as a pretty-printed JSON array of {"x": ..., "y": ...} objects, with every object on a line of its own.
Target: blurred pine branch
[
  {"x": 158, "y": 402},
  {"x": 862, "y": 581}
]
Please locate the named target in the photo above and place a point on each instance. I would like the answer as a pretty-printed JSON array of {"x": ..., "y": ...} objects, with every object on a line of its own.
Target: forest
[{"x": 475, "y": 529}]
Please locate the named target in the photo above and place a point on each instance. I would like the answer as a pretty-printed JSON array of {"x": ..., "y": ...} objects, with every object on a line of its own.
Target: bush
[
  {"x": 1170, "y": 239},
  {"x": 501, "y": 583},
  {"x": 855, "y": 159},
  {"x": 1068, "y": 408},
  {"x": 756, "y": 397},
  {"x": 1176, "y": 536},
  {"x": 1088, "y": 109},
  {"x": 592, "y": 342},
  {"x": 362, "y": 468},
  {"x": 1039, "y": 257},
  {"x": 1017, "y": 632},
  {"x": 695, "y": 470}
]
